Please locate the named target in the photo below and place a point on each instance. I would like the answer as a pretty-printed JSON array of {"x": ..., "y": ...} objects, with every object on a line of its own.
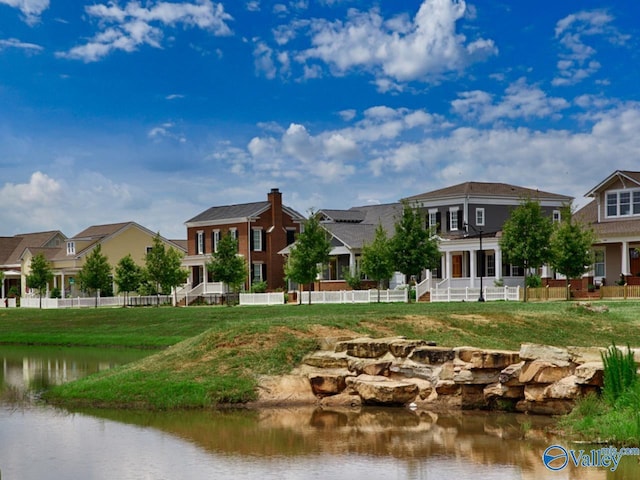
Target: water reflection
[{"x": 42, "y": 442}]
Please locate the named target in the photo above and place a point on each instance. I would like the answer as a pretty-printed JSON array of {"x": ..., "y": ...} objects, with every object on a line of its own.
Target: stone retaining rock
[{"x": 397, "y": 371}]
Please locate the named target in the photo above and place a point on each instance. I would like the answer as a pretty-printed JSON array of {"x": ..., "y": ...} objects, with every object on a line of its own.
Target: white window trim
[
  {"x": 556, "y": 216},
  {"x": 480, "y": 223},
  {"x": 257, "y": 239},
  {"x": 604, "y": 262},
  {"x": 200, "y": 242},
  {"x": 617, "y": 193},
  {"x": 234, "y": 233},
  {"x": 71, "y": 248},
  {"x": 433, "y": 217},
  {"x": 453, "y": 214},
  {"x": 216, "y": 240},
  {"x": 257, "y": 278}
]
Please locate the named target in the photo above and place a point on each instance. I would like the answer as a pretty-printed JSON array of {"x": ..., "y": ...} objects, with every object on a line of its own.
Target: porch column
[
  {"x": 472, "y": 268},
  {"x": 448, "y": 266},
  {"x": 205, "y": 277},
  {"x": 624, "y": 268},
  {"x": 545, "y": 271},
  {"x": 498, "y": 262},
  {"x": 2, "y": 294},
  {"x": 352, "y": 263},
  {"x": 62, "y": 292}
]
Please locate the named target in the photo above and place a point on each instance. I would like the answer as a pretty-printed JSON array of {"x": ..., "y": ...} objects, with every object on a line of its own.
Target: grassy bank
[{"x": 218, "y": 351}]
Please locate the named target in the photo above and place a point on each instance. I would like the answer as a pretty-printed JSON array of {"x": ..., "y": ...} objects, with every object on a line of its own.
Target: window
[
  {"x": 256, "y": 239},
  {"x": 71, "y": 248},
  {"x": 491, "y": 265},
  {"x": 200, "y": 242},
  {"x": 480, "y": 217},
  {"x": 623, "y": 203},
  {"x": 215, "y": 239},
  {"x": 148, "y": 250},
  {"x": 291, "y": 235},
  {"x": 453, "y": 218},
  {"x": 234, "y": 234},
  {"x": 258, "y": 272},
  {"x": 598, "y": 263},
  {"x": 556, "y": 216},
  {"x": 432, "y": 219}
]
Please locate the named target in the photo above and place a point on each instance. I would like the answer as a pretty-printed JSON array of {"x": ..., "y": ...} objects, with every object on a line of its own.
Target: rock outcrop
[{"x": 398, "y": 371}]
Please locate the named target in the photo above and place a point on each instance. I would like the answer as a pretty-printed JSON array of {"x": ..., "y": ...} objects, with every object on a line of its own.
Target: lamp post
[{"x": 479, "y": 232}]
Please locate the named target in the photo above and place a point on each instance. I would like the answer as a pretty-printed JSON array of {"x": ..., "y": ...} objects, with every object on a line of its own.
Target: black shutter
[
  {"x": 251, "y": 242},
  {"x": 196, "y": 244},
  {"x": 264, "y": 272},
  {"x": 264, "y": 240},
  {"x": 438, "y": 222},
  {"x": 460, "y": 225},
  {"x": 448, "y": 221}
]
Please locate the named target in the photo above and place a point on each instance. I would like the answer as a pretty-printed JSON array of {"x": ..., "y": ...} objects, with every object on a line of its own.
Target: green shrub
[
  {"x": 534, "y": 281},
  {"x": 620, "y": 373},
  {"x": 259, "y": 287}
]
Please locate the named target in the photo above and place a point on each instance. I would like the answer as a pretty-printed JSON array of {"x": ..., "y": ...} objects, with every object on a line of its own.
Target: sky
[{"x": 153, "y": 111}]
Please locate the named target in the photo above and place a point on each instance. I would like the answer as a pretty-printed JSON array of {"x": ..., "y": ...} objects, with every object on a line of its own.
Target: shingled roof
[
  {"x": 487, "y": 189},
  {"x": 11, "y": 248},
  {"x": 588, "y": 215},
  {"x": 228, "y": 212}
]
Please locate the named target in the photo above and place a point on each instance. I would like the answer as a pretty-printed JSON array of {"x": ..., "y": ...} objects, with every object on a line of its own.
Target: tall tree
[
  {"x": 128, "y": 276},
  {"x": 413, "y": 248},
  {"x": 571, "y": 252},
  {"x": 309, "y": 252},
  {"x": 226, "y": 265},
  {"x": 526, "y": 237},
  {"x": 163, "y": 267},
  {"x": 376, "y": 261},
  {"x": 95, "y": 274},
  {"x": 40, "y": 275}
]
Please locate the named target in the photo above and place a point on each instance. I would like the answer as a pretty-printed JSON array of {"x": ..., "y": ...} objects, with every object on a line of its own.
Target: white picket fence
[
  {"x": 7, "y": 302},
  {"x": 356, "y": 296},
  {"x": 274, "y": 298},
  {"x": 469, "y": 294},
  {"x": 87, "y": 302}
]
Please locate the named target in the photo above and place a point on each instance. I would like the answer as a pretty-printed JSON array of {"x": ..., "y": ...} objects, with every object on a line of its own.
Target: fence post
[{"x": 625, "y": 291}]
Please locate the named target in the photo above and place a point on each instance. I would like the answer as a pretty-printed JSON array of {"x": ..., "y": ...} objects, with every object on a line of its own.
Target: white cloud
[
  {"x": 132, "y": 26},
  {"x": 521, "y": 100},
  {"x": 253, "y": 6},
  {"x": 397, "y": 50},
  {"x": 166, "y": 130},
  {"x": 31, "y": 9},
  {"x": 15, "y": 43},
  {"x": 576, "y": 63}
]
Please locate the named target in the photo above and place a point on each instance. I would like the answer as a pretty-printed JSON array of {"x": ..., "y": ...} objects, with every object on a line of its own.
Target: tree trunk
[
  {"x": 310, "y": 293},
  {"x": 379, "y": 287},
  {"x": 568, "y": 287},
  {"x": 525, "y": 285}
]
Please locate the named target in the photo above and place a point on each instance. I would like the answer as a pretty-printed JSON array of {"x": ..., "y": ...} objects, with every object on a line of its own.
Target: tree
[
  {"x": 128, "y": 276},
  {"x": 226, "y": 265},
  {"x": 376, "y": 261},
  {"x": 413, "y": 248},
  {"x": 40, "y": 275},
  {"x": 163, "y": 267},
  {"x": 308, "y": 253},
  {"x": 571, "y": 242},
  {"x": 95, "y": 274},
  {"x": 525, "y": 237}
]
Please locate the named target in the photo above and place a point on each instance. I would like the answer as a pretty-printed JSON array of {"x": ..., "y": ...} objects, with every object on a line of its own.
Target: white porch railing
[
  {"x": 273, "y": 298},
  {"x": 423, "y": 287},
  {"x": 469, "y": 294},
  {"x": 356, "y": 296}
]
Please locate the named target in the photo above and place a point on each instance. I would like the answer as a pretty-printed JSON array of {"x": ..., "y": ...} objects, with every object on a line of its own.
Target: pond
[{"x": 39, "y": 441}]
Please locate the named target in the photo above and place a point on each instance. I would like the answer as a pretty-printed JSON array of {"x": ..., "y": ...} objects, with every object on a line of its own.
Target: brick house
[{"x": 262, "y": 229}]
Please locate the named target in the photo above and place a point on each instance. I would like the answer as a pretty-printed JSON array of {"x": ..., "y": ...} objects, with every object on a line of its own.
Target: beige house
[
  {"x": 12, "y": 248},
  {"x": 117, "y": 240},
  {"x": 614, "y": 215}
]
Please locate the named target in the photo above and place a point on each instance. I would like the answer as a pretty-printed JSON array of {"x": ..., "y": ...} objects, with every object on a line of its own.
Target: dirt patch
[{"x": 478, "y": 319}]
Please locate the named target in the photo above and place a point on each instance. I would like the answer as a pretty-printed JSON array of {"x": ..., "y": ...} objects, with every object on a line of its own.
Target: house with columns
[
  {"x": 468, "y": 219},
  {"x": 614, "y": 215}
]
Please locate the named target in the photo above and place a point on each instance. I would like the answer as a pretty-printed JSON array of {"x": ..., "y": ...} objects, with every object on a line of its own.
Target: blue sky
[{"x": 154, "y": 111}]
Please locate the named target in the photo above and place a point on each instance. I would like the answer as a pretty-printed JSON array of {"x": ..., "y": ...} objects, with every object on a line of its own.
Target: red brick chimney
[{"x": 275, "y": 199}]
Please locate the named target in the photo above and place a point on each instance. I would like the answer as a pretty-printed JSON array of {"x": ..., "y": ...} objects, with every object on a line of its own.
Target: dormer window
[
  {"x": 71, "y": 248},
  {"x": 557, "y": 216},
  {"x": 623, "y": 203}
]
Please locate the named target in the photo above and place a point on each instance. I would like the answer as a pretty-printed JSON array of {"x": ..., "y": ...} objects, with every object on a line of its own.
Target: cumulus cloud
[
  {"x": 576, "y": 61},
  {"x": 132, "y": 26},
  {"x": 399, "y": 49},
  {"x": 520, "y": 100},
  {"x": 166, "y": 131},
  {"x": 30, "y": 9}
]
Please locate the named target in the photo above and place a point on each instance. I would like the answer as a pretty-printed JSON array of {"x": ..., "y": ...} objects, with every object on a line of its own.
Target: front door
[
  {"x": 634, "y": 261},
  {"x": 456, "y": 266}
]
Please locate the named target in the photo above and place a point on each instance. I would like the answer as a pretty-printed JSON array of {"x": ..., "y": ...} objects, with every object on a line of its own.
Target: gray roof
[
  {"x": 488, "y": 189},
  {"x": 225, "y": 212},
  {"x": 355, "y": 235},
  {"x": 619, "y": 227},
  {"x": 352, "y": 215}
]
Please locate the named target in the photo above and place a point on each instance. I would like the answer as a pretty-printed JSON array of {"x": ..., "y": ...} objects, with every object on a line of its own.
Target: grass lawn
[{"x": 218, "y": 351}]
